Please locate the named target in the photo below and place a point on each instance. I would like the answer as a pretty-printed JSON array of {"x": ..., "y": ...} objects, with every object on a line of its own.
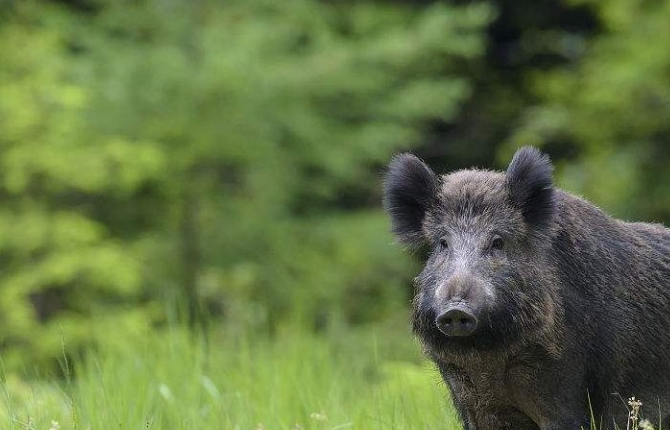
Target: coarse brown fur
[{"x": 573, "y": 310}]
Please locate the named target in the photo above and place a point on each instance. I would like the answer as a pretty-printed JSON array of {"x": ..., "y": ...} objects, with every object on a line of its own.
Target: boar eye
[
  {"x": 444, "y": 244},
  {"x": 497, "y": 243}
]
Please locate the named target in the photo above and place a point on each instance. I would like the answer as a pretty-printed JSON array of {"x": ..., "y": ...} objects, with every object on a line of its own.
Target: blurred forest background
[{"x": 218, "y": 163}]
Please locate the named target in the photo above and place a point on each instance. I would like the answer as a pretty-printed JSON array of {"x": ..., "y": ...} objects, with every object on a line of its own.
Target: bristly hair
[
  {"x": 410, "y": 188},
  {"x": 530, "y": 185}
]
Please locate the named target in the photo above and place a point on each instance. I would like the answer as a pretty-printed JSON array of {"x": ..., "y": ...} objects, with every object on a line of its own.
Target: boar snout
[{"x": 457, "y": 320}]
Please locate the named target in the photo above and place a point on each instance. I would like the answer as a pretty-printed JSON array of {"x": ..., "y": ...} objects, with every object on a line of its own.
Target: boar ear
[
  {"x": 410, "y": 188},
  {"x": 530, "y": 186}
]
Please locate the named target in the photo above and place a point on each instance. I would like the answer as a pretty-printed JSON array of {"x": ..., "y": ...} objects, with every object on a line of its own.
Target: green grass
[{"x": 363, "y": 379}]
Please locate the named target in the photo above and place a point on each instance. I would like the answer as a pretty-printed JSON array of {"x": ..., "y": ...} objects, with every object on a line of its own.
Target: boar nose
[{"x": 457, "y": 320}]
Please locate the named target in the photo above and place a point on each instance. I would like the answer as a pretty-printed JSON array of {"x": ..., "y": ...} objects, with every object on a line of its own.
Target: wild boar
[{"x": 539, "y": 310}]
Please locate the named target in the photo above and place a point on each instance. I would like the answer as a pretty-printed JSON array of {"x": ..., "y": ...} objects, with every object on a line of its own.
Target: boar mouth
[{"x": 486, "y": 335}]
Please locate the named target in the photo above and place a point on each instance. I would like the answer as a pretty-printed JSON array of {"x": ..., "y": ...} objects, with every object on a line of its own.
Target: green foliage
[
  {"x": 221, "y": 154},
  {"x": 611, "y": 109},
  {"x": 224, "y": 157},
  {"x": 59, "y": 263}
]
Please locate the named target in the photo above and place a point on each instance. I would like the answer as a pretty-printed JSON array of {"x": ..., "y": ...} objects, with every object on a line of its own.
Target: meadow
[
  {"x": 369, "y": 378},
  {"x": 226, "y": 157}
]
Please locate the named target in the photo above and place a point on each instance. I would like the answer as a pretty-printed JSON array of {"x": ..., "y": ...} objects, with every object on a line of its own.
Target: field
[{"x": 370, "y": 378}]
